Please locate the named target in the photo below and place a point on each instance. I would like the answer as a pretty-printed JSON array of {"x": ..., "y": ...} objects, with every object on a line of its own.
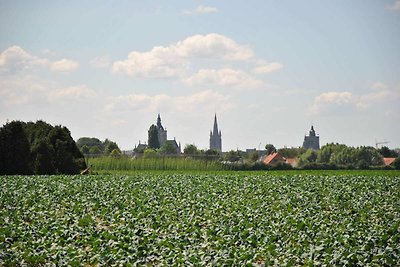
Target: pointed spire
[
  {"x": 312, "y": 131},
  {"x": 215, "y": 129},
  {"x": 159, "y": 125}
]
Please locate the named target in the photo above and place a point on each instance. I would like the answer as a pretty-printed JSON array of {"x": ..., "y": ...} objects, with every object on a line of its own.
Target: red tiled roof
[
  {"x": 388, "y": 161},
  {"x": 268, "y": 159}
]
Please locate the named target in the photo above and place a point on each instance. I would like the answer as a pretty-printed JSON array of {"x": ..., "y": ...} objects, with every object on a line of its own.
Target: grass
[{"x": 110, "y": 164}]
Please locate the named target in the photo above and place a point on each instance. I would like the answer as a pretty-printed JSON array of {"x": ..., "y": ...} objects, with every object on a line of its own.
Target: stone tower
[
  {"x": 215, "y": 137},
  {"x": 312, "y": 140},
  {"x": 162, "y": 133}
]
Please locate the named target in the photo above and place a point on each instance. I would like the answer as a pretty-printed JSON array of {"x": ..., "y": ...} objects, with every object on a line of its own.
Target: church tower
[
  {"x": 215, "y": 137},
  {"x": 312, "y": 140},
  {"x": 162, "y": 133}
]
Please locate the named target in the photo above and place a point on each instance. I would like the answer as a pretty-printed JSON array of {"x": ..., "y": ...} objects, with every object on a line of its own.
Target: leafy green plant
[{"x": 202, "y": 219}]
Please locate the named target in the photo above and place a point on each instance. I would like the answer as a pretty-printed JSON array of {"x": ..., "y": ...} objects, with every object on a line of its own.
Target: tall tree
[
  {"x": 110, "y": 146},
  {"x": 190, "y": 149},
  {"x": 168, "y": 148},
  {"x": 153, "y": 137},
  {"x": 387, "y": 152},
  {"x": 270, "y": 148},
  {"x": 15, "y": 154}
]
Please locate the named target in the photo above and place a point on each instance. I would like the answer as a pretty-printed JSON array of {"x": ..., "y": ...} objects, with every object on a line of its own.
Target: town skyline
[{"x": 269, "y": 71}]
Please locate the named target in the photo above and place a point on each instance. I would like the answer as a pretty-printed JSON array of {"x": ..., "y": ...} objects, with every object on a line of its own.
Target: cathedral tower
[
  {"x": 215, "y": 137},
  {"x": 162, "y": 133},
  {"x": 312, "y": 140}
]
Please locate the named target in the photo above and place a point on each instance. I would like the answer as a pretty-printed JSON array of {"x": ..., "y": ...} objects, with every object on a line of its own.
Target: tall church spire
[
  {"x": 159, "y": 125},
  {"x": 215, "y": 129},
  {"x": 215, "y": 137}
]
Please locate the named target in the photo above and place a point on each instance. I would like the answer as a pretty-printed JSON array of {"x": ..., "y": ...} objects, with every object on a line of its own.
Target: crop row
[{"x": 231, "y": 219}]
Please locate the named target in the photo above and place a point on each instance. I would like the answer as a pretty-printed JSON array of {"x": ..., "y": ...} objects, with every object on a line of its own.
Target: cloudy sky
[{"x": 269, "y": 69}]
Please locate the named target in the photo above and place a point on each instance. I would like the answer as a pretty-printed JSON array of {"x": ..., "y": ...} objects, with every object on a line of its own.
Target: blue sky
[{"x": 269, "y": 69}]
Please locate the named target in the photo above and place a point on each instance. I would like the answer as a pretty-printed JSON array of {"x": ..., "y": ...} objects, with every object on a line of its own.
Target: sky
[{"x": 269, "y": 69}]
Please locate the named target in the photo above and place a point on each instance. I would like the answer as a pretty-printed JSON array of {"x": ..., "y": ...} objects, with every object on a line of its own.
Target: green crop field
[{"x": 201, "y": 219}]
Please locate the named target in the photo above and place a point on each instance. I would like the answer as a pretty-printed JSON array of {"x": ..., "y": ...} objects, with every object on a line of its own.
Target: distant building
[
  {"x": 215, "y": 137},
  {"x": 311, "y": 141},
  {"x": 273, "y": 159},
  {"x": 388, "y": 161},
  {"x": 162, "y": 136},
  {"x": 176, "y": 146},
  {"x": 162, "y": 133}
]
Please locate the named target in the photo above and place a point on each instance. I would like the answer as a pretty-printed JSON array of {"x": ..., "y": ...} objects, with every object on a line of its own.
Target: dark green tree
[
  {"x": 292, "y": 152},
  {"x": 15, "y": 154},
  {"x": 85, "y": 149},
  {"x": 270, "y": 148},
  {"x": 116, "y": 153},
  {"x": 396, "y": 163},
  {"x": 38, "y": 148},
  {"x": 190, "y": 149},
  {"x": 94, "y": 150},
  {"x": 89, "y": 142},
  {"x": 387, "y": 152},
  {"x": 109, "y": 146},
  {"x": 153, "y": 137},
  {"x": 232, "y": 156},
  {"x": 168, "y": 148},
  {"x": 310, "y": 156},
  {"x": 44, "y": 158}
]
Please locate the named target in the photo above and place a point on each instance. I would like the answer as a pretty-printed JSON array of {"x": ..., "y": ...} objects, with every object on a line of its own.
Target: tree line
[
  {"x": 38, "y": 148},
  {"x": 92, "y": 146}
]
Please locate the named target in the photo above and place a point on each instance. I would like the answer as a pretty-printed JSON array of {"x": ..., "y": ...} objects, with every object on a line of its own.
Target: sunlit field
[{"x": 201, "y": 219}]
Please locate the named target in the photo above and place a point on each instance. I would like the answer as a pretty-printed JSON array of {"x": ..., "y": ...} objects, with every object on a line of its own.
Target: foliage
[
  {"x": 387, "y": 152},
  {"x": 153, "y": 141},
  {"x": 15, "y": 156},
  {"x": 292, "y": 152},
  {"x": 95, "y": 150},
  {"x": 190, "y": 149},
  {"x": 342, "y": 155},
  {"x": 310, "y": 156},
  {"x": 270, "y": 148},
  {"x": 232, "y": 156},
  {"x": 38, "y": 148},
  {"x": 208, "y": 219},
  {"x": 115, "y": 153},
  {"x": 93, "y": 146},
  {"x": 149, "y": 152},
  {"x": 90, "y": 142},
  {"x": 168, "y": 148},
  {"x": 110, "y": 146},
  {"x": 396, "y": 163},
  {"x": 153, "y": 161}
]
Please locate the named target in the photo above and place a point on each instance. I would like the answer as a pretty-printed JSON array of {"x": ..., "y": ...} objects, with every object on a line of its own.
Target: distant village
[{"x": 269, "y": 156}]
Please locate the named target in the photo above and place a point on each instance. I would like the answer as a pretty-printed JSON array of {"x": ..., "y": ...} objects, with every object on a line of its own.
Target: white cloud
[
  {"x": 160, "y": 62},
  {"x": 202, "y": 101},
  {"x": 201, "y": 10},
  {"x": 64, "y": 65},
  {"x": 379, "y": 94},
  {"x": 379, "y": 86},
  {"x": 100, "y": 62},
  {"x": 32, "y": 90},
  {"x": 336, "y": 101},
  {"x": 267, "y": 68},
  {"x": 173, "y": 60},
  {"x": 15, "y": 58},
  {"x": 73, "y": 92},
  {"x": 331, "y": 100},
  {"x": 223, "y": 77},
  {"x": 395, "y": 6}
]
